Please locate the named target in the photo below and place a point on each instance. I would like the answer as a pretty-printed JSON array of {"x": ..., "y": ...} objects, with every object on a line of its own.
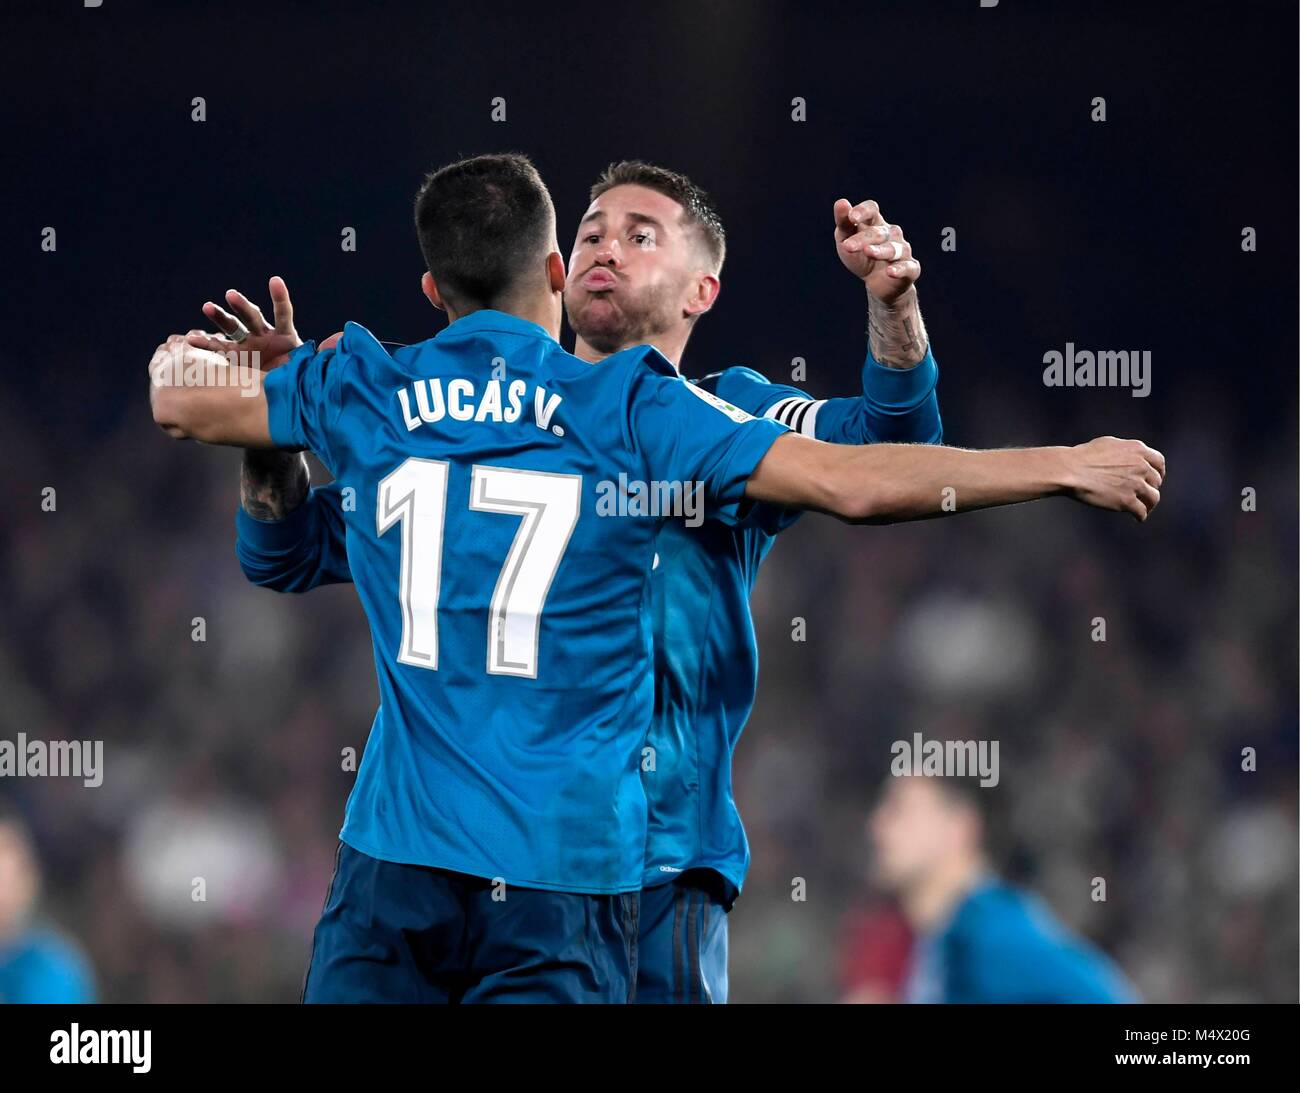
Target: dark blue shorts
[
  {"x": 682, "y": 951},
  {"x": 408, "y": 933}
]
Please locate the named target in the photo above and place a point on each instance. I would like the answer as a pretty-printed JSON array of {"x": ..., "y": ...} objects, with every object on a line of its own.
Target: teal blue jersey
[
  {"x": 41, "y": 966},
  {"x": 505, "y": 506},
  {"x": 706, "y": 656},
  {"x": 1002, "y": 945}
]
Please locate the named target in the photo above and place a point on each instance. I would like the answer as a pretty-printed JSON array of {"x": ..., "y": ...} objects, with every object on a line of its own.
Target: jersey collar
[{"x": 498, "y": 322}]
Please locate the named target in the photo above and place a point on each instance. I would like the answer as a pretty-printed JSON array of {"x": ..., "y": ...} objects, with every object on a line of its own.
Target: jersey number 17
[{"x": 414, "y": 498}]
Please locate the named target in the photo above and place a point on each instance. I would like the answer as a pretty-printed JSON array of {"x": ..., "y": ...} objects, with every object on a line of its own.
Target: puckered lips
[{"x": 598, "y": 279}]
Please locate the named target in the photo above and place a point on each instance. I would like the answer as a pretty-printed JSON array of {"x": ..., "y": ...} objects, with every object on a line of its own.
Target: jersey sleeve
[
  {"x": 897, "y": 405},
  {"x": 686, "y": 435},
  {"x": 305, "y": 550},
  {"x": 303, "y": 398}
]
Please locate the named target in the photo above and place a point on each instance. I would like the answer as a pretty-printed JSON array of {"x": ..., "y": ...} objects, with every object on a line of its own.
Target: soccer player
[
  {"x": 530, "y": 779},
  {"x": 37, "y": 964},
  {"x": 644, "y": 267},
  {"x": 977, "y": 939}
]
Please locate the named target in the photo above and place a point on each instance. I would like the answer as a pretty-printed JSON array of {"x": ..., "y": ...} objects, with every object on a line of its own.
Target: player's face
[
  {"x": 633, "y": 269},
  {"x": 911, "y": 829}
]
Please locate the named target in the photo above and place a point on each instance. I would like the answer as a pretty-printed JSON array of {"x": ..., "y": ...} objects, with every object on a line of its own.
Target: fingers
[
  {"x": 187, "y": 353},
  {"x": 199, "y": 340},
  {"x": 844, "y": 227},
  {"x": 867, "y": 238},
  {"x": 1148, "y": 497},
  {"x": 893, "y": 247},
  {"x": 1152, "y": 467},
  {"x": 1133, "y": 503},
  {"x": 880, "y": 241},
  {"x": 905, "y": 271},
  {"x": 171, "y": 351},
  {"x": 850, "y": 218},
  {"x": 866, "y": 213},
  {"x": 222, "y": 319},
  {"x": 181, "y": 350},
  {"x": 247, "y": 311},
  {"x": 883, "y": 242},
  {"x": 243, "y": 314},
  {"x": 281, "y": 305}
]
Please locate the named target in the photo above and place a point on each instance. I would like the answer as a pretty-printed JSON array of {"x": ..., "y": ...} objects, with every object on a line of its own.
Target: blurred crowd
[{"x": 195, "y": 872}]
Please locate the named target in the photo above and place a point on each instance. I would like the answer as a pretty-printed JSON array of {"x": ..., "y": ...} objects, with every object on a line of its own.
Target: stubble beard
[{"x": 631, "y": 322}]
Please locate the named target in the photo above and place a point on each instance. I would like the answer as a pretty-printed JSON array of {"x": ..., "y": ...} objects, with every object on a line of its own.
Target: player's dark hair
[
  {"x": 987, "y": 802},
  {"x": 11, "y": 816},
  {"x": 698, "y": 209},
  {"x": 485, "y": 224}
]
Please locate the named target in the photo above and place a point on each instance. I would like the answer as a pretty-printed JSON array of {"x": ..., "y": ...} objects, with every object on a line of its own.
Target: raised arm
[
  {"x": 897, "y": 402},
  {"x": 890, "y": 483},
  {"x": 876, "y": 252}
]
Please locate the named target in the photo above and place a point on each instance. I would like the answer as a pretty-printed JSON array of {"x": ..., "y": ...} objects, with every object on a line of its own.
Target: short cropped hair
[{"x": 484, "y": 224}]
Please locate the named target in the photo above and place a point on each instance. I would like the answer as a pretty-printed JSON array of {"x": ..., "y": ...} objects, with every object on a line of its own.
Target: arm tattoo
[
  {"x": 896, "y": 331},
  {"x": 272, "y": 484}
]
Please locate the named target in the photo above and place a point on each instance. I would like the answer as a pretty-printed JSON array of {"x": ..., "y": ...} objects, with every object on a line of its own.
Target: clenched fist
[
  {"x": 1115, "y": 474},
  {"x": 874, "y": 250}
]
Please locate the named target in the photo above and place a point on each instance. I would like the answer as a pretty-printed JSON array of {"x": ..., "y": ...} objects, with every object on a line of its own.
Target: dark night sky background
[{"x": 1122, "y": 234}]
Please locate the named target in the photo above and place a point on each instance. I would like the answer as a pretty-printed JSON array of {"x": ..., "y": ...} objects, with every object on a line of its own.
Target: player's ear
[
  {"x": 430, "y": 288},
  {"x": 555, "y": 271},
  {"x": 703, "y": 294}
]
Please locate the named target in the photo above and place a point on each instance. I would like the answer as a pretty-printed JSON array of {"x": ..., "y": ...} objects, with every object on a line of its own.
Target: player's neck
[
  {"x": 934, "y": 898},
  {"x": 544, "y": 315},
  {"x": 671, "y": 344}
]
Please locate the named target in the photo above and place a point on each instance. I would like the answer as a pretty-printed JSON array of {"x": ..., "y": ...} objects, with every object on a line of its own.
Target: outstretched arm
[{"x": 890, "y": 483}]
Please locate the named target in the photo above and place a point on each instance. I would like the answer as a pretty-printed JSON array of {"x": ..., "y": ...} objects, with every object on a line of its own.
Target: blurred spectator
[
  {"x": 977, "y": 939},
  {"x": 37, "y": 963}
]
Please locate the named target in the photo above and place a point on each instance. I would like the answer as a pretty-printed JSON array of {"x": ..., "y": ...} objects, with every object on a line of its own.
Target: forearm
[
  {"x": 272, "y": 484},
  {"x": 896, "y": 331},
  {"x": 304, "y": 549},
  {"x": 228, "y": 415},
  {"x": 890, "y": 483}
]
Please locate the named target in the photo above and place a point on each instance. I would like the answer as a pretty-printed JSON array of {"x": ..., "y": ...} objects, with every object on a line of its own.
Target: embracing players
[{"x": 470, "y": 783}]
